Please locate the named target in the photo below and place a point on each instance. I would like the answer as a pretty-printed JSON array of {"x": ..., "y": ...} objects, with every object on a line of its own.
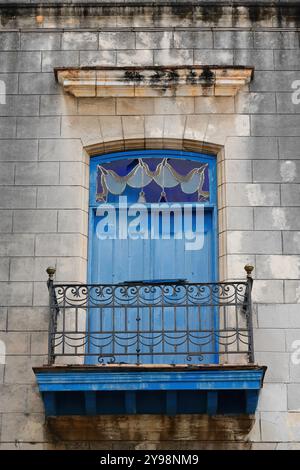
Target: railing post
[
  {"x": 52, "y": 314},
  {"x": 248, "y": 268}
]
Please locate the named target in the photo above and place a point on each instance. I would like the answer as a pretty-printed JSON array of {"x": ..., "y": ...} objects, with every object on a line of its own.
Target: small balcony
[{"x": 150, "y": 347}]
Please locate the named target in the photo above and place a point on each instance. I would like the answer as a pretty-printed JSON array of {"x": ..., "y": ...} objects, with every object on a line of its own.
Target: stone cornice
[{"x": 153, "y": 81}]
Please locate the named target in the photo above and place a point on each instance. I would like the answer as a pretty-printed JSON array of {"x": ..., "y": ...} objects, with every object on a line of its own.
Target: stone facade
[{"x": 48, "y": 137}]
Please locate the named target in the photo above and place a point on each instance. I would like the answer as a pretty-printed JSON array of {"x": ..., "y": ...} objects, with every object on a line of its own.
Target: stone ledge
[{"x": 153, "y": 81}]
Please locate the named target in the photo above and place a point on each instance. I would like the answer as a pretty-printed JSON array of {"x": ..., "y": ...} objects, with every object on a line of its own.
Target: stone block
[
  {"x": 18, "y": 150},
  {"x": 40, "y": 294},
  {"x": 13, "y": 398},
  {"x": 293, "y": 396},
  {"x": 173, "y": 57},
  {"x": 20, "y": 106},
  {"x": 11, "y": 82},
  {"x": 76, "y": 40},
  {"x": 268, "y": 291},
  {"x": 239, "y": 194},
  {"x": 133, "y": 127},
  {"x": 15, "y": 343},
  {"x": 7, "y": 173},
  {"x": 269, "y": 340},
  {"x": 21, "y": 427},
  {"x": 8, "y": 127},
  {"x": 289, "y": 147},
  {"x": 179, "y": 105},
  {"x": 100, "y": 106},
  {"x": 73, "y": 221},
  {"x": 60, "y": 245},
  {"x": 154, "y": 126},
  {"x": 16, "y": 245},
  {"x": 276, "y": 40},
  {"x": 291, "y": 243},
  {"x": 213, "y": 57},
  {"x": 9, "y": 41},
  {"x": 277, "y": 218},
  {"x": 13, "y": 293},
  {"x": 273, "y": 81},
  {"x": 285, "y": 104},
  {"x": 273, "y": 397},
  {"x": 53, "y": 59},
  {"x": 74, "y": 174},
  {"x": 235, "y": 265},
  {"x": 38, "y": 83},
  {"x": 39, "y": 343},
  {"x": 292, "y": 291},
  {"x": 37, "y": 173},
  {"x": 261, "y": 60},
  {"x": 35, "y": 221},
  {"x": 72, "y": 270},
  {"x": 41, "y": 41},
  {"x": 154, "y": 40},
  {"x": 28, "y": 318},
  {"x": 255, "y": 103},
  {"x": 284, "y": 171},
  {"x": 4, "y": 269},
  {"x": 278, "y": 316},
  {"x": 85, "y": 127},
  {"x": 34, "y": 401},
  {"x": 193, "y": 40},
  {"x": 220, "y": 127},
  {"x": 290, "y": 194},
  {"x": 175, "y": 127},
  {"x": 274, "y": 125},
  {"x": 5, "y": 221},
  {"x": 135, "y": 106},
  {"x": 20, "y": 61},
  {"x": 60, "y": 150},
  {"x": 279, "y": 426},
  {"x": 111, "y": 128},
  {"x": 115, "y": 40},
  {"x": 255, "y": 242},
  {"x": 59, "y": 197},
  {"x": 97, "y": 58},
  {"x": 24, "y": 269},
  {"x": 238, "y": 171},
  {"x": 135, "y": 58},
  {"x": 58, "y": 105},
  {"x": 239, "y": 218},
  {"x": 278, "y": 266},
  {"x": 277, "y": 363},
  {"x": 196, "y": 126},
  {"x": 233, "y": 39},
  {"x": 33, "y": 127},
  {"x": 287, "y": 59},
  {"x": 17, "y": 198},
  {"x": 211, "y": 104},
  {"x": 251, "y": 147}
]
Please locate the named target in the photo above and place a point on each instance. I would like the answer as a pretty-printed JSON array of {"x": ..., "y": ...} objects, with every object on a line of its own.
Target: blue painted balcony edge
[{"x": 219, "y": 388}]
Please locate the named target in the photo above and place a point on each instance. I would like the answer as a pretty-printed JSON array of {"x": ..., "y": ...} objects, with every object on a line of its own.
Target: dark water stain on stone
[
  {"x": 207, "y": 77},
  {"x": 133, "y": 76}
]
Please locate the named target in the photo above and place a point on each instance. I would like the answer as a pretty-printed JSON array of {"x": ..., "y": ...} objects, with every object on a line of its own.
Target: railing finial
[
  {"x": 51, "y": 271},
  {"x": 249, "y": 268}
]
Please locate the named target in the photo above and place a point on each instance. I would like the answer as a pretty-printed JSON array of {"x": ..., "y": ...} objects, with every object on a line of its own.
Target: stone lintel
[{"x": 105, "y": 82}]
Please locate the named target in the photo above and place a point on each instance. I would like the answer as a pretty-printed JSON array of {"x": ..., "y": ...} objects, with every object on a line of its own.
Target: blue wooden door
[{"x": 160, "y": 333}]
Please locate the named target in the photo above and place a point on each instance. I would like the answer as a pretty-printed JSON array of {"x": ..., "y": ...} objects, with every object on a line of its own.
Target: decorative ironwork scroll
[{"x": 150, "y": 322}]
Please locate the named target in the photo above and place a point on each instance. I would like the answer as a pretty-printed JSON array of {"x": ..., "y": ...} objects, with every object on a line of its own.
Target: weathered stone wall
[{"x": 44, "y": 181}]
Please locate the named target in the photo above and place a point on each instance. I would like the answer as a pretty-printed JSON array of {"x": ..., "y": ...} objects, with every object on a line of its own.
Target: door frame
[{"x": 211, "y": 205}]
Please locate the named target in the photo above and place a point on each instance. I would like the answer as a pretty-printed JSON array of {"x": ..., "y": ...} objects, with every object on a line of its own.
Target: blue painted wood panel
[{"x": 113, "y": 261}]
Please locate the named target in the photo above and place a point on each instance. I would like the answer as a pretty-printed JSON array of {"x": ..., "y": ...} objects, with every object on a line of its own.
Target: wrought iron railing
[{"x": 159, "y": 322}]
